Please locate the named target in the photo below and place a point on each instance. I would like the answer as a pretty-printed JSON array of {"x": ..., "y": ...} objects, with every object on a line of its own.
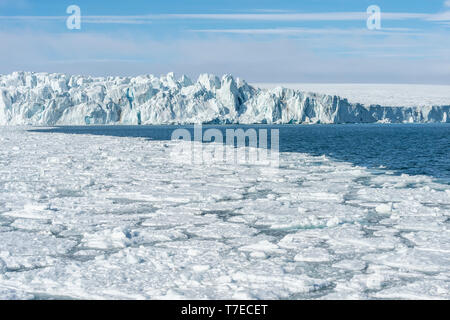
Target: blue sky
[{"x": 261, "y": 41}]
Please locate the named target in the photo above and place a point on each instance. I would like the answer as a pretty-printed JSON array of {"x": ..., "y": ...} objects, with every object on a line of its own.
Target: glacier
[{"x": 28, "y": 98}]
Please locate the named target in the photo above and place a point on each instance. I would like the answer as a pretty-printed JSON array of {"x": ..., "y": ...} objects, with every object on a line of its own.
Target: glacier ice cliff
[{"x": 57, "y": 99}]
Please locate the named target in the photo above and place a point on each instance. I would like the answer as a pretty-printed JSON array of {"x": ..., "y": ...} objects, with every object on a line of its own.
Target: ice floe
[{"x": 86, "y": 216}]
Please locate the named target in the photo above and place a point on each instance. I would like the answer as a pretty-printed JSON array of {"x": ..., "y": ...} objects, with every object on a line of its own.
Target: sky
[{"x": 310, "y": 41}]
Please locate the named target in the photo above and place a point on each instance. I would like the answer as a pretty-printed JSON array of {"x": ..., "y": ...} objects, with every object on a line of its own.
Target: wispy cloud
[
  {"x": 320, "y": 16},
  {"x": 272, "y": 10},
  {"x": 311, "y": 31},
  {"x": 33, "y": 18},
  {"x": 85, "y": 19},
  {"x": 262, "y": 45},
  {"x": 443, "y": 16},
  {"x": 115, "y": 20},
  {"x": 255, "y": 60}
]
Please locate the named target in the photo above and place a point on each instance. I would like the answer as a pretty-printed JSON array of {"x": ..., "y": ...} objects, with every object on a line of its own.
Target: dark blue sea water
[{"x": 416, "y": 149}]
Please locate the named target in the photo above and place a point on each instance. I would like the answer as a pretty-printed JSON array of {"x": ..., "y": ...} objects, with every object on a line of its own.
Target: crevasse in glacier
[{"x": 57, "y": 99}]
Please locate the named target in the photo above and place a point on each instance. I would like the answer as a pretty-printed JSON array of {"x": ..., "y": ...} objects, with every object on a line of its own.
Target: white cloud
[
  {"x": 84, "y": 19},
  {"x": 145, "y": 19},
  {"x": 319, "y": 16},
  {"x": 444, "y": 16},
  {"x": 311, "y": 31},
  {"x": 447, "y": 3},
  {"x": 277, "y": 60}
]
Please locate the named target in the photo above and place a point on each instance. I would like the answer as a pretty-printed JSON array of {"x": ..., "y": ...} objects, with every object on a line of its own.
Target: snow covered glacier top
[{"x": 57, "y": 99}]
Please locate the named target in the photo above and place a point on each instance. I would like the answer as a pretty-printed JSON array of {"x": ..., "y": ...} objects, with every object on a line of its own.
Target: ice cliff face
[{"x": 58, "y": 99}]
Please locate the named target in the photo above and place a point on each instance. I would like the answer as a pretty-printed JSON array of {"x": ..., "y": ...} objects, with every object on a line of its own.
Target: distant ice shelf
[{"x": 58, "y": 99}]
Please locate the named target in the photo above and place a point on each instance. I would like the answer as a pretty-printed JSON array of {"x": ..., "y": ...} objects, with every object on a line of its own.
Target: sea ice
[{"x": 82, "y": 216}]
